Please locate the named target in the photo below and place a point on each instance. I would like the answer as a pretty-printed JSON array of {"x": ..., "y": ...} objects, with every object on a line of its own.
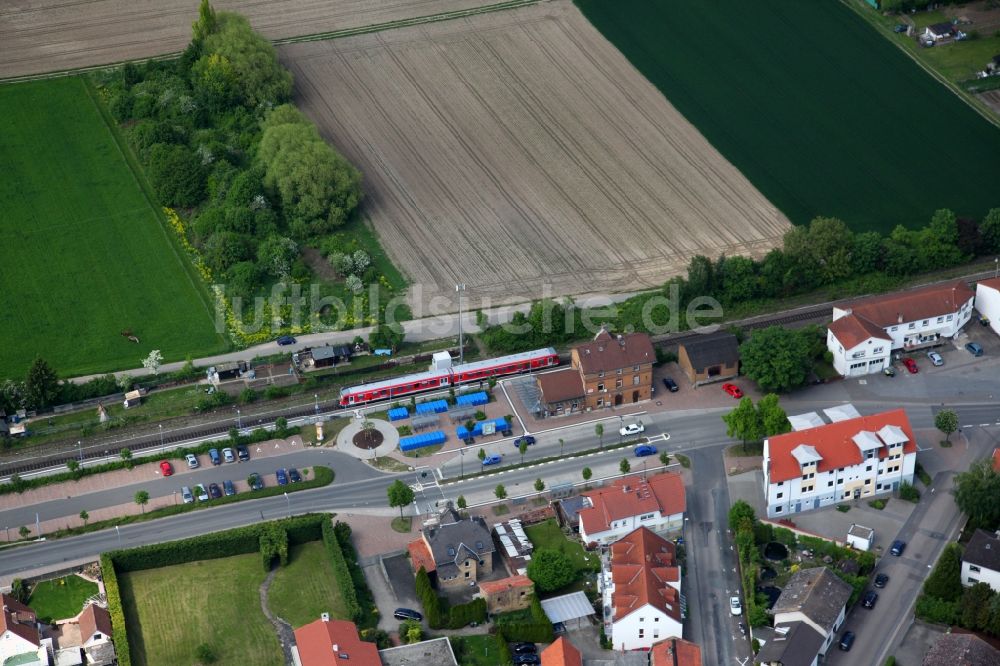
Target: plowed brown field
[
  {"x": 39, "y": 36},
  {"x": 519, "y": 149}
]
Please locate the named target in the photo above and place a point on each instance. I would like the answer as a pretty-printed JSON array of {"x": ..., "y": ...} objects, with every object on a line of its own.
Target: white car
[
  {"x": 935, "y": 358},
  {"x": 632, "y": 429},
  {"x": 735, "y": 607},
  {"x": 228, "y": 455},
  {"x": 192, "y": 461}
]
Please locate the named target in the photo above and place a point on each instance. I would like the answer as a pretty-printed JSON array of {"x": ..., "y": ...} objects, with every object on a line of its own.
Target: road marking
[
  {"x": 967, "y": 426},
  {"x": 984, "y": 425}
]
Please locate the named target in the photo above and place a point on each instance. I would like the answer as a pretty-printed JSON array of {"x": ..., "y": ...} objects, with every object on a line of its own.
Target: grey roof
[
  {"x": 327, "y": 351},
  {"x": 941, "y": 28},
  {"x": 798, "y": 647},
  {"x": 571, "y": 507},
  {"x": 718, "y": 348},
  {"x": 961, "y": 650},
  {"x": 435, "y": 651},
  {"x": 452, "y": 542},
  {"x": 567, "y": 607},
  {"x": 983, "y": 550},
  {"x": 818, "y": 593}
]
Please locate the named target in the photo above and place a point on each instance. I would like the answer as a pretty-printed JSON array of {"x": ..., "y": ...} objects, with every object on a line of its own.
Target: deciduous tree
[
  {"x": 776, "y": 358},
  {"x": 744, "y": 422},
  {"x": 500, "y": 491},
  {"x": 773, "y": 418},
  {"x": 947, "y": 422},
  {"x": 624, "y": 466},
  {"x": 976, "y": 492},
  {"x": 400, "y": 495},
  {"x": 142, "y": 499},
  {"x": 550, "y": 570},
  {"x": 41, "y": 384},
  {"x": 945, "y": 581}
]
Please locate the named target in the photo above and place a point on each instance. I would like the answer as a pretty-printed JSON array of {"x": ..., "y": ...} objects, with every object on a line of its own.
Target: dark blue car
[
  {"x": 285, "y": 340},
  {"x": 282, "y": 477},
  {"x": 491, "y": 459},
  {"x": 527, "y": 440},
  {"x": 645, "y": 450}
]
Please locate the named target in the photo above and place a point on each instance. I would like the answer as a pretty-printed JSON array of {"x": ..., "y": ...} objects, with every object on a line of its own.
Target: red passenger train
[{"x": 467, "y": 372}]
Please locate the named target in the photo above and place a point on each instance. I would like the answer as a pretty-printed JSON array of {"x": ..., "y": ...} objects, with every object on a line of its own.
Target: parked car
[
  {"x": 846, "y": 641},
  {"x": 213, "y": 455},
  {"x": 897, "y": 548},
  {"x": 880, "y": 580},
  {"x": 520, "y": 659},
  {"x": 201, "y": 492},
  {"x": 407, "y": 614},
  {"x": 492, "y": 459},
  {"x": 285, "y": 340},
  {"x": 228, "y": 488},
  {"x": 255, "y": 481},
  {"x": 889, "y": 371},
  {"x": 243, "y": 453},
  {"x": 735, "y": 607},
  {"x": 871, "y": 596},
  {"x": 733, "y": 390},
  {"x": 935, "y": 358},
  {"x": 214, "y": 491},
  {"x": 670, "y": 384},
  {"x": 192, "y": 461},
  {"x": 644, "y": 450},
  {"x": 899, "y": 27},
  {"x": 228, "y": 455},
  {"x": 294, "y": 475},
  {"x": 911, "y": 365},
  {"x": 527, "y": 440},
  {"x": 632, "y": 429},
  {"x": 974, "y": 348},
  {"x": 523, "y": 648},
  {"x": 186, "y": 495},
  {"x": 166, "y": 469},
  {"x": 282, "y": 476}
]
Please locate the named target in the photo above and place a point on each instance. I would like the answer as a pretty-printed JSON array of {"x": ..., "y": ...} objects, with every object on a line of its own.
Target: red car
[
  {"x": 911, "y": 365},
  {"x": 166, "y": 468},
  {"x": 733, "y": 390}
]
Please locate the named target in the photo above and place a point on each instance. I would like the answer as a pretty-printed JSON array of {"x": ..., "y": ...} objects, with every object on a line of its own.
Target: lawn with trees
[
  {"x": 92, "y": 258},
  {"x": 842, "y": 137},
  {"x": 60, "y": 598}
]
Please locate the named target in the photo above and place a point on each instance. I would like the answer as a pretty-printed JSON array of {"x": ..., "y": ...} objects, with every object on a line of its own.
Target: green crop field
[
  {"x": 820, "y": 112},
  {"x": 84, "y": 255}
]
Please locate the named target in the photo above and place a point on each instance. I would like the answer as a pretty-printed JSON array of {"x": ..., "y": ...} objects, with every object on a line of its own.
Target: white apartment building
[
  {"x": 988, "y": 301},
  {"x": 864, "y": 333},
  {"x": 981, "y": 560},
  {"x": 657, "y": 503},
  {"x": 850, "y": 459}
]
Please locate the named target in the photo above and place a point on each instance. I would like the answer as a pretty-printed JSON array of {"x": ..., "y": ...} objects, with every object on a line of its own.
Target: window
[
  {"x": 635, "y": 368},
  {"x": 912, "y": 326},
  {"x": 619, "y": 371},
  {"x": 950, "y": 317},
  {"x": 466, "y": 574},
  {"x": 600, "y": 387},
  {"x": 777, "y": 509},
  {"x": 829, "y": 484},
  {"x": 807, "y": 489},
  {"x": 641, "y": 630},
  {"x": 642, "y": 619},
  {"x": 925, "y": 323},
  {"x": 656, "y": 619},
  {"x": 868, "y": 468},
  {"x": 781, "y": 483},
  {"x": 840, "y": 470},
  {"x": 971, "y": 580},
  {"x": 618, "y": 383},
  {"x": 839, "y": 481},
  {"x": 656, "y": 633},
  {"x": 779, "y": 495},
  {"x": 973, "y": 568},
  {"x": 600, "y": 374},
  {"x": 635, "y": 380},
  {"x": 600, "y": 402},
  {"x": 894, "y": 328},
  {"x": 877, "y": 350},
  {"x": 940, "y": 319}
]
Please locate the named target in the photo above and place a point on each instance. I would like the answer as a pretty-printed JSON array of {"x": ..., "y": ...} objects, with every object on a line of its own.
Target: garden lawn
[
  {"x": 827, "y": 119},
  {"x": 477, "y": 650},
  {"x": 60, "y": 598},
  {"x": 549, "y": 535},
  {"x": 172, "y": 610},
  {"x": 85, "y": 253},
  {"x": 306, "y": 587}
]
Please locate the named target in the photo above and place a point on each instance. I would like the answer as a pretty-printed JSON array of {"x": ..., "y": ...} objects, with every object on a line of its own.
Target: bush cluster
[
  {"x": 368, "y": 613},
  {"x": 273, "y": 543},
  {"x": 531, "y": 626},
  {"x": 341, "y": 572}
]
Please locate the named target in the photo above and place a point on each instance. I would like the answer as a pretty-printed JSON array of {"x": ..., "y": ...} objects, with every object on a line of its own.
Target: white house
[
  {"x": 864, "y": 333},
  {"x": 807, "y": 617},
  {"x": 20, "y": 640},
  {"x": 850, "y": 459},
  {"x": 988, "y": 302},
  {"x": 981, "y": 560},
  {"x": 630, "y": 502},
  {"x": 939, "y": 31},
  {"x": 641, "y": 587},
  {"x": 860, "y": 537}
]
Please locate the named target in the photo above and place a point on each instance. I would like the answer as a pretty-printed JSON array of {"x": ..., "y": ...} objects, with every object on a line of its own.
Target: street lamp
[
  {"x": 459, "y": 288},
  {"x": 161, "y": 434},
  {"x": 239, "y": 421},
  {"x": 119, "y": 533},
  {"x": 621, "y": 427},
  {"x": 316, "y": 397},
  {"x": 461, "y": 456},
  {"x": 288, "y": 503},
  {"x": 79, "y": 448},
  {"x": 996, "y": 269}
]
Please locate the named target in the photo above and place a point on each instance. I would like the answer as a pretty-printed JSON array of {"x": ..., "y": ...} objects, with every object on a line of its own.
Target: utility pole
[
  {"x": 79, "y": 448},
  {"x": 459, "y": 288},
  {"x": 161, "y": 434}
]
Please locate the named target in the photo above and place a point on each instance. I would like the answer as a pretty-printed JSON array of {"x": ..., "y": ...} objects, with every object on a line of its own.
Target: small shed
[
  {"x": 133, "y": 398},
  {"x": 710, "y": 358},
  {"x": 860, "y": 537},
  {"x": 568, "y": 609},
  {"x": 939, "y": 31}
]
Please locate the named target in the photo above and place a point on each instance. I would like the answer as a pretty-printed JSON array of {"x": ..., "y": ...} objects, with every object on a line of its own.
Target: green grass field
[
  {"x": 172, "y": 610},
  {"x": 548, "y": 535},
  {"x": 60, "y": 598},
  {"x": 820, "y": 112},
  {"x": 84, "y": 253},
  {"x": 305, "y": 588}
]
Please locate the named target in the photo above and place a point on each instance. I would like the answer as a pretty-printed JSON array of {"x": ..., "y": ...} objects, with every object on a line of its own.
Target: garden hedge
[
  {"x": 366, "y": 601},
  {"x": 341, "y": 572}
]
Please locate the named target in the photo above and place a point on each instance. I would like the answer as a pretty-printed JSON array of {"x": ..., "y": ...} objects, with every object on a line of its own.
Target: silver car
[
  {"x": 186, "y": 495},
  {"x": 228, "y": 455},
  {"x": 192, "y": 461},
  {"x": 935, "y": 358}
]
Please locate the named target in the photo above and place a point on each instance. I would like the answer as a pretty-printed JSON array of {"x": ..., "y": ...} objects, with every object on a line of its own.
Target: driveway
[{"x": 401, "y": 583}]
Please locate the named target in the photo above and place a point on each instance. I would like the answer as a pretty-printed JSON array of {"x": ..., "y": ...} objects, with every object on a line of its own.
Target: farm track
[
  {"x": 42, "y": 36},
  {"x": 486, "y": 162}
]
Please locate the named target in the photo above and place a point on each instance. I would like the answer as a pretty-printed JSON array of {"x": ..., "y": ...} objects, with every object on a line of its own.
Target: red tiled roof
[
  {"x": 833, "y": 443},
  {"x": 420, "y": 556},
  {"x": 642, "y": 566},
  {"x": 631, "y": 496},
  {"x": 852, "y": 330},
  {"x": 561, "y": 385},
  {"x": 494, "y": 586},
  {"x": 607, "y": 353},
  {"x": 94, "y": 619},
  {"x": 561, "y": 653},
  {"x": 12, "y": 616},
  {"x": 996, "y": 460},
  {"x": 932, "y": 301},
  {"x": 317, "y": 639},
  {"x": 675, "y": 652},
  {"x": 992, "y": 283}
]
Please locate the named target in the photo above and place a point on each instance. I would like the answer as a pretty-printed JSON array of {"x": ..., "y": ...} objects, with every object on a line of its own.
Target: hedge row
[
  {"x": 115, "y": 609},
  {"x": 463, "y": 615},
  {"x": 273, "y": 544},
  {"x": 531, "y": 627},
  {"x": 369, "y": 613},
  {"x": 429, "y": 600},
  {"x": 341, "y": 572},
  {"x": 236, "y": 541}
]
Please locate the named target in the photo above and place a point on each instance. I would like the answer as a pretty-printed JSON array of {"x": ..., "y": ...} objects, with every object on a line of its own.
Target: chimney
[
  {"x": 325, "y": 617},
  {"x": 899, "y": 317},
  {"x": 336, "y": 647}
]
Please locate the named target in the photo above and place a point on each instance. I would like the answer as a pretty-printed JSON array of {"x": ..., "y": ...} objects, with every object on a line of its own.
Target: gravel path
[{"x": 284, "y": 630}]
